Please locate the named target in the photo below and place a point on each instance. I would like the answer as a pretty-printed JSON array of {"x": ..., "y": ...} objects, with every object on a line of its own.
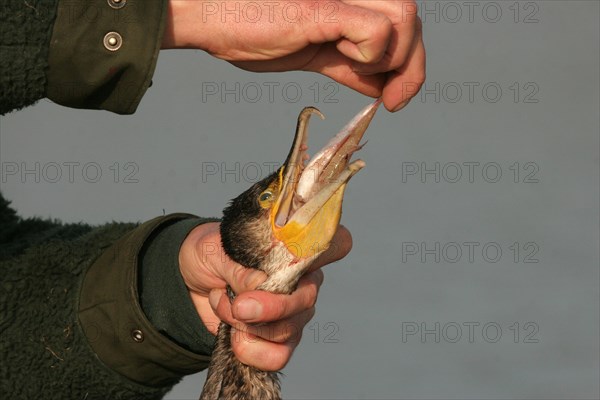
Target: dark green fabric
[
  {"x": 17, "y": 235},
  {"x": 54, "y": 49},
  {"x": 25, "y": 30},
  {"x": 84, "y": 74},
  {"x": 164, "y": 296},
  {"x": 69, "y": 268},
  {"x": 110, "y": 314}
]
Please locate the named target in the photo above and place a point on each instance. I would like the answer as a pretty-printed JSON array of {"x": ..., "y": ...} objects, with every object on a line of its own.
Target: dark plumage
[
  {"x": 238, "y": 224},
  {"x": 228, "y": 378}
]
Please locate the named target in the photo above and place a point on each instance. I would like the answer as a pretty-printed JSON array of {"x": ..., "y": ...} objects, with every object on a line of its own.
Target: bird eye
[
  {"x": 265, "y": 196},
  {"x": 265, "y": 200}
]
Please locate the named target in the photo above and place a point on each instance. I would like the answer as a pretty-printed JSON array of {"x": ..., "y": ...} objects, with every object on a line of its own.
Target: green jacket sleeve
[
  {"x": 103, "y": 52},
  {"x": 164, "y": 296},
  {"x": 97, "y": 54},
  {"x": 71, "y": 322},
  {"x": 25, "y": 31},
  {"x": 114, "y": 323}
]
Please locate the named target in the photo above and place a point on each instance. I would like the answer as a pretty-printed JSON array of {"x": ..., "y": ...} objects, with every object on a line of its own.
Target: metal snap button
[
  {"x": 116, "y": 4},
  {"x": 112, "y": 41},
  {"x": 137, "y": 335}
]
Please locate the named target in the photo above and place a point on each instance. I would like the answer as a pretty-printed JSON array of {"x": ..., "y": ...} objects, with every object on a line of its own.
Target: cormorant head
[{"x": 290, "y": 217}]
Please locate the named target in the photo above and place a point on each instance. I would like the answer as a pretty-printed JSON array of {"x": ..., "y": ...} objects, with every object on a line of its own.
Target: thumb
[{"x": 241, "y": 279}]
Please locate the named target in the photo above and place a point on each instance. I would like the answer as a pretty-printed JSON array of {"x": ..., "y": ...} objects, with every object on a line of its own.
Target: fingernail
[
  {"x": 400, "y": 106},
  {"x": 361, "y": 69},
  {"x": 248, "y": 309},
  {"x": 214, "y": 297}
]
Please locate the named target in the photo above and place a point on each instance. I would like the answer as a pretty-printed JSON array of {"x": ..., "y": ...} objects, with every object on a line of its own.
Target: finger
[
  {"x": 262, "y": 354},
  {"x": 221, "y": 306},
  {"x": 258, "y": 306},
  {"x": 340, "y": 246},
  {"x": 324, "y": 59},
  {"x": 205, "y": 311},
  {"x": 335, "y": 65},
  {"x": 283, "y": 330},
  {"x": 403, "y": 15},
  {"x": 208, "y": 266},
  {"x": 241, "y": 278},
  {"x": 286, "y": 330},
  {"x": 403, "y": 84},
  {"x": 361, "y": 33}
]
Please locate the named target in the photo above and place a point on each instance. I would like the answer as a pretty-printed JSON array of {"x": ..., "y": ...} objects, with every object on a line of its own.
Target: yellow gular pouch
[{"x": 308, "y": 240}]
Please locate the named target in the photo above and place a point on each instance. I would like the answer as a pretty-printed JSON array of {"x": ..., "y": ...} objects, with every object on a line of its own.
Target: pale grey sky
[{"x": 475, "y": 269}]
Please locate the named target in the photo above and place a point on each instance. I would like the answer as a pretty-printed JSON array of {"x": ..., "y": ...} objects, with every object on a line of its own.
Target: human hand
[
  {"x": 372, "y": 46},
  {"x": 267, "y": 326}
]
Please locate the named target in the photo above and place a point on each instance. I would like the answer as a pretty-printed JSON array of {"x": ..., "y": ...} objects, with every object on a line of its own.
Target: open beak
[{"x": 309, "y": 206}]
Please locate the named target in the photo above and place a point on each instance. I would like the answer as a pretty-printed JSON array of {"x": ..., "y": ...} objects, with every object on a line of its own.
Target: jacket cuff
[
  {"x": 103, "y": 52},
  {"x": 164, "y": 296},
  {"x": 114, "y": 323}
]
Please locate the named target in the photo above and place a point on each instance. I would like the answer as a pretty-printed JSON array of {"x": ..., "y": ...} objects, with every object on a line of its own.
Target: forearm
[{"x": 176, "y": 35}]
